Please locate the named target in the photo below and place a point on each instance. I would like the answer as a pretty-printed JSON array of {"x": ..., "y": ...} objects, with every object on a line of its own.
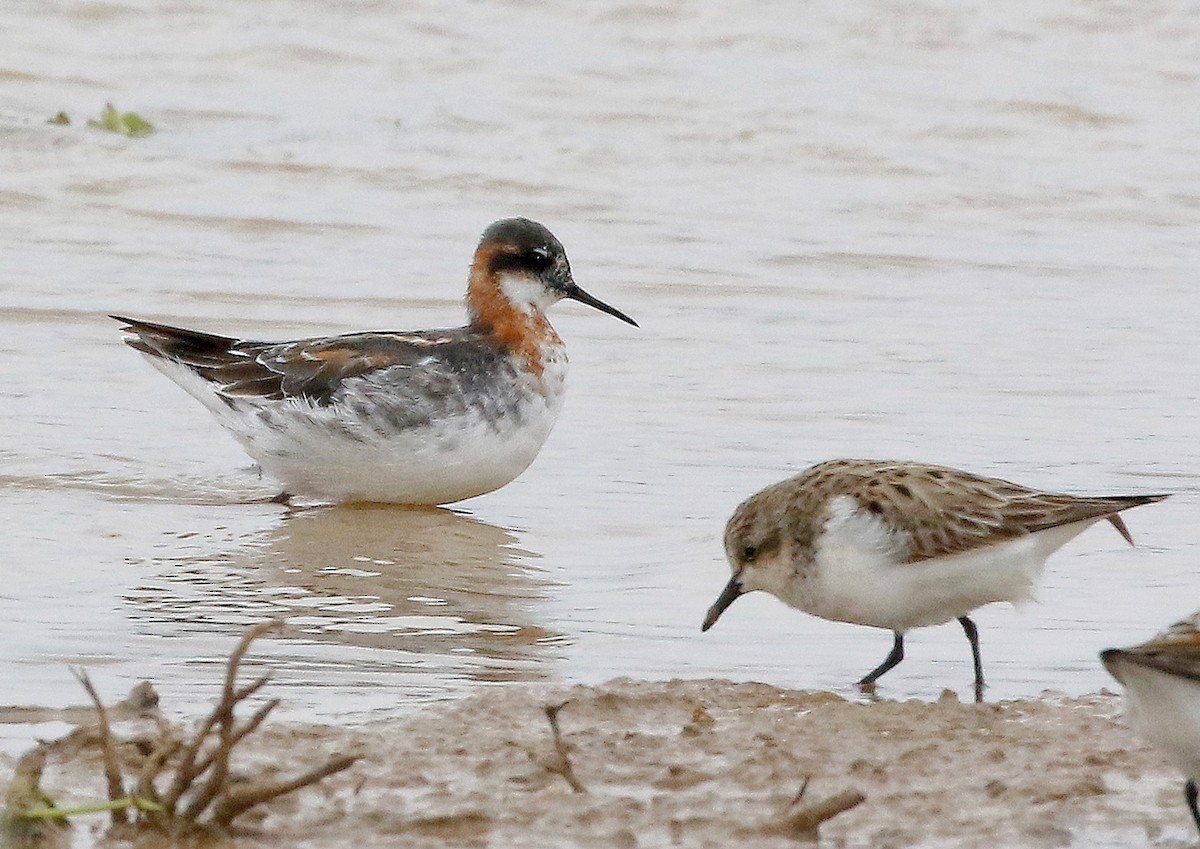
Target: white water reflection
[{"x": 425, "y": 588}]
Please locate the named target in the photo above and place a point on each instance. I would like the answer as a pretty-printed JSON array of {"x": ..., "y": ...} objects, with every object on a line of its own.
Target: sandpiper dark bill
[
  {"x": 902, "y": 545},
  {"x": 1162, "y": 696},
  {"x": 416, "y": 417}
]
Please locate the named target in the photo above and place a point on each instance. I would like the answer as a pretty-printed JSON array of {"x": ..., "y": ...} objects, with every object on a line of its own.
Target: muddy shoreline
[{"x": 710, "y": 763}]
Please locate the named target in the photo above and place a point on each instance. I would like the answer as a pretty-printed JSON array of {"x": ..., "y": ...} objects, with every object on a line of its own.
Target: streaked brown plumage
[{"x": 900, "y": 545}]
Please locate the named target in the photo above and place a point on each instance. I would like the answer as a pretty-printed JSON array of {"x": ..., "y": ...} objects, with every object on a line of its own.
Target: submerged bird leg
[
  {"x": 973, "y": 638},
  {"x": 1189, "y": 791},
  {"x": 867, "y": 684}
]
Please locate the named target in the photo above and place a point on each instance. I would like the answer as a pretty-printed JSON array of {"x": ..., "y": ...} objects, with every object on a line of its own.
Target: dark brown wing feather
[
  {"x": 187, "y": 346},
  {"x": 312, "y": 369},
  {"x": 946, "y": 511}
]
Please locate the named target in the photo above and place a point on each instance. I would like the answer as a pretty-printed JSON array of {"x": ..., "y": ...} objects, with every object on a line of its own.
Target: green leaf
[
  {"x": 52, "y": 812},
  {"x": 136, "y": 125},
  {"x": 125, "y": 124}
]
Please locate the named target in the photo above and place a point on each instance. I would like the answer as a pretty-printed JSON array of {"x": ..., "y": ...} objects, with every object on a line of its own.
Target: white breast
[
  {"x": 858, "y": 575},
  {"x": 340, "y": 454},
  {"x": 1165, "y": 710}
]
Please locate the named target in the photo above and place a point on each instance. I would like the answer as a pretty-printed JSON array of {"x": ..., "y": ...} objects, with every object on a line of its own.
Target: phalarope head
[{"x": 522, "y": 262}]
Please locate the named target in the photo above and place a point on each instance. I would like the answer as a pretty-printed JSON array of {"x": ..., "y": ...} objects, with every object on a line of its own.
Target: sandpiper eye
[
  {"x": 539, "y": 258},
  {"x": 749, "y": 552}
]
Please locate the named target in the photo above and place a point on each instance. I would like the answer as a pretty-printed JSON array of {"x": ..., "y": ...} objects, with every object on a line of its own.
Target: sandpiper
[
  {"x": 901, "y": 545},
  {"x": 418, "y": 417},
  {"x": 1162, "y": 695}
]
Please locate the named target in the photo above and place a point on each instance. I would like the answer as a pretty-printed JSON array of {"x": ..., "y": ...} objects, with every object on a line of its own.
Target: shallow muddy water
[{"x": 944, "y": 232}]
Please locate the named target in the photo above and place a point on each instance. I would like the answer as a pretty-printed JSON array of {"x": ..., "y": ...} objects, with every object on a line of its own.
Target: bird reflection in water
[
  {"x": 429, "y": 581},
  {"x": 437, "y": 592}
]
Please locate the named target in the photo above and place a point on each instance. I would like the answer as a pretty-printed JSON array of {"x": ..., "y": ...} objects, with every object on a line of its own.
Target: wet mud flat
[{"x": 704, "y": 763}]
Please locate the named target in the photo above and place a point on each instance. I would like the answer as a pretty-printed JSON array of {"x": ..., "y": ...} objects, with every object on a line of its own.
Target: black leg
[
  {"x": 1189, "y": 791},
  {"x": 894, "y": 656},
  {"x": 973, "y": 638}
]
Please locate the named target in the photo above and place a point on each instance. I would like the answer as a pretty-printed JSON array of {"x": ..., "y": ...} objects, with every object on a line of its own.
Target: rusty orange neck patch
[{"x": 517, "y": 331}]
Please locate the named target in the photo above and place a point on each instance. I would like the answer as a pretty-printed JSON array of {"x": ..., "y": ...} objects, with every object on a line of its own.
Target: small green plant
[{"x": 124, "y": 123}]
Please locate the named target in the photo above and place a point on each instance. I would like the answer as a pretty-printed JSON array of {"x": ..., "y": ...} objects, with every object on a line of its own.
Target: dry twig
[
  {"x": 243, "y": 799},
  {"x": 802, "y": 821},
  {"x": 112, "y": 768},
  {"x": 18, "y": 828},
  {"x": 200, "y": 795},
  {"x": 189, "y": 768},
  {"x": 561, "y": 763},
  {"x": 167, "y": 745},
  {"x": 222, "y": 799}
]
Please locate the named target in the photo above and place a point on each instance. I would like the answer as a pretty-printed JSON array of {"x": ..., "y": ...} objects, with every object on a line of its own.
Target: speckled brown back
[{"x": 943, "y": 511}]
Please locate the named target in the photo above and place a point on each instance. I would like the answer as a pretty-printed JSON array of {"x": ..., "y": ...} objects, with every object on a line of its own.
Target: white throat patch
[{"x": 527, "y": 293}]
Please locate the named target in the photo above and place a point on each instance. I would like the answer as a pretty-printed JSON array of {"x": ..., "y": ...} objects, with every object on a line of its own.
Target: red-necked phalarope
[
  {"x": 1162, "y": 696},
  {"x": 424, "y": 417},
  {"x": 902, "y": 545}
]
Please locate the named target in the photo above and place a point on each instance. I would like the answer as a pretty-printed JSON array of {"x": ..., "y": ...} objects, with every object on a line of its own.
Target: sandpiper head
[
  {"x": 530, "y": 267},
  {"x": 755, "y": 545},
  {"x": 1162, "y": 690},
  {"x": 1175, "y": 651}
]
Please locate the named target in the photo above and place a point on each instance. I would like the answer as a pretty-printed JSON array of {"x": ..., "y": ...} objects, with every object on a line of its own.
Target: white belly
[
  {"x": 1165, "y": 710},
  {"x": 455, "y": 459},
  {"x": 857, "y": 579},
  {"x": 336, "y": 454}
]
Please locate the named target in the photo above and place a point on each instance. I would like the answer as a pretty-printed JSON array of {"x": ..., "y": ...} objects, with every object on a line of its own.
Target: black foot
[
  {"x": 867, "y": 684},
  {"x": 1189, "y": 792},
  {"x": 973, "y": 638}
]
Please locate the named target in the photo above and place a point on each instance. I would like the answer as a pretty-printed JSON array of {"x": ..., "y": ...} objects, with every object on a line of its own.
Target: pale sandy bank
[{"x": 712, "y": 763}]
